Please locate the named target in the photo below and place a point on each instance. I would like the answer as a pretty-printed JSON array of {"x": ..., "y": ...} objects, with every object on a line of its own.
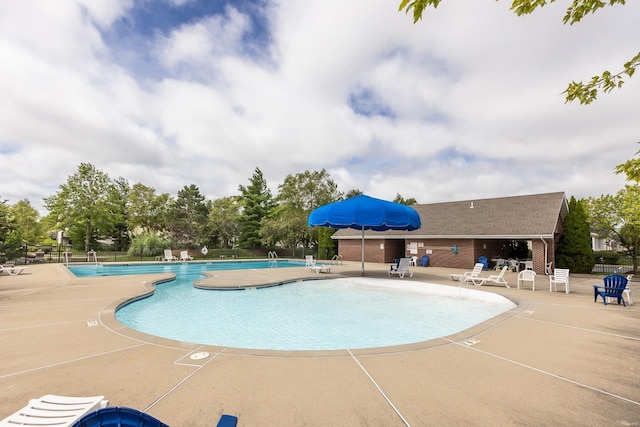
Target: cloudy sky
[{"x": 466, "y": 104}]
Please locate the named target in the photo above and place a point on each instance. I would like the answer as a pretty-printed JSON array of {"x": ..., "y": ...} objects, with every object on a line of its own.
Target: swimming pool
[
  {"x": 334, "y": 314},
  {"x": 179, "y": 268}
]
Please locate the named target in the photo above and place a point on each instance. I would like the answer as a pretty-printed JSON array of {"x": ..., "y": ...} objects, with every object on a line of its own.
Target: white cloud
[{"x": 472, "y": 96}]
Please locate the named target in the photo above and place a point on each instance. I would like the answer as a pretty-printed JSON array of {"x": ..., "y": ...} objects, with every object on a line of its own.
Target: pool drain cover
[{"x": 198, "y": 356}]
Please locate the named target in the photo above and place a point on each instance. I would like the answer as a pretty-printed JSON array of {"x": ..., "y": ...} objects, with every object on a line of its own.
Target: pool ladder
[{"x": 272, "y": 256}]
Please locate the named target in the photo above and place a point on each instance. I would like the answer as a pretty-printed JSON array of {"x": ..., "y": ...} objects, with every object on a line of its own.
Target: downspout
[{"x": 546, "y": 257}]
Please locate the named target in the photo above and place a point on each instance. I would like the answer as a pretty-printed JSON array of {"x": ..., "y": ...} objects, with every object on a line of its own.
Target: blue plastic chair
[
  {"x": 424, "y": 261},
  {"x": 116, "y": 416},
  {"x": 614, "y": 286},
  {"x": 485, "y": 261}
]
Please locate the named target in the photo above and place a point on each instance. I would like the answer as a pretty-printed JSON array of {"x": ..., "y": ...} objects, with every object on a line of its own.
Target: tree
[
  {"x": 257, "y": 203},
  {"x": 298, "y": 195},
  {"x": 119, "y": 195},
  {"x": 146, "y": 210},
  {"x": 574, "y": 248},
  {"x": 188, "y": 216},
  {"x": 631, "y": 168},
  {"x": 84, "y": 203},
  {"x": 584, "y": 92},
  {"x": 9, "y": 240},
  {"x": 618, "y": 216},
  {"x": 26, "y": 222},
  {"x": 224, "y": 220},
  {"x": 353, "y": 193},
  {"x": 403, "y": 201}
]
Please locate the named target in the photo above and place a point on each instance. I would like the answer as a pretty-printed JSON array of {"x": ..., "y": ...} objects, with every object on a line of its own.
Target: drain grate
[
  {"x": 91, "y": 323},
  {"x": 469, "y": 342},
  {"x": 198, "y": 356}
]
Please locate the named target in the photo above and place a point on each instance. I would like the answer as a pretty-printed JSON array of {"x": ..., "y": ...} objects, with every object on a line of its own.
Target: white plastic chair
[
  {"x": 527, "y": 276},
  {"x": 309, "y": 262},
  {"x": 559, "y": 276},
  {"x": 414, "y": 261}
]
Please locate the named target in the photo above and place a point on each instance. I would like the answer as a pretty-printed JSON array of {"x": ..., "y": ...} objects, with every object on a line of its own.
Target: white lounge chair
[
  {"x": 11, "y": 270},
  {"x": 559, "y": 276},
  {"x": 184, "y": 256},
  {"x": 499, "y": 278},
  {"x": 321, "y": 268},
  {"x": 52, "y": 410},
  {"x": 494, "y": 278},
  {"x": 402, "y": 268},
  {"x": 464, "y": 277},
  {"x": 169, "y": 256},
  {"x": 527, "y": 276}
]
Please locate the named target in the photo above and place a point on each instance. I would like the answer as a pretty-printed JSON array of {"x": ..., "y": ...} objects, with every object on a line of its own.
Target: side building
[{"x": 475, "y": 228}]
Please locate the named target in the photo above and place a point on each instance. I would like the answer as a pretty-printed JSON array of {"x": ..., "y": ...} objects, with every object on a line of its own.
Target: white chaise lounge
[
  {"x": 402, "y": 268},
  {"x": 467, "y": 276},
  {"x": 52, "y": 410}
]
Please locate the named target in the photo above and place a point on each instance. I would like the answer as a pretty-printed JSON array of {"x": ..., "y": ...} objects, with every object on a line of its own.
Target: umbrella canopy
[{"x": 365, "y": 213}]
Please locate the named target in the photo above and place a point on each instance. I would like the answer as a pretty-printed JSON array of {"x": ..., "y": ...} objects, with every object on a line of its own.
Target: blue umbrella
[{"x": 365, "y": 213}]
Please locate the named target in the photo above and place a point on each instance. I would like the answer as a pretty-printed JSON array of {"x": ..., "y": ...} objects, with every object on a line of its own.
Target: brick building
[{"x": 479, "y": 227}]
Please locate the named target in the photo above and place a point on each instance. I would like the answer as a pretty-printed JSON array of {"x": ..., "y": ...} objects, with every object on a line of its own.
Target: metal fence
[{"x": 620, "y": 265}]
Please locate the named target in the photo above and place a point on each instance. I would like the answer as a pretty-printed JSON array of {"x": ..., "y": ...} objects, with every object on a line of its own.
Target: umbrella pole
[{"x": 363, "y": 250}]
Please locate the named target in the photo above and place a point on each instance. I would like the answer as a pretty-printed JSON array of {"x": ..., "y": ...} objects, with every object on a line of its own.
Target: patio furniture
[
  {"x": 184, "y": 256},
  {"x": 484, "y": 261},
  {"x": 168, "y": 256},
  {"x": 559, "y": 276},
  {"x": 424, "y": 261},
  {"x": 11, "y": 269},
  {"x": 401, "y": 269},
  {"x": 527, "y": 276},
  {"x": 309, "y": 262},
  {"x": 614, "y": 286},
  {"x": 414, "y": 261},
  {"x": 322, "y": 268},
  {"x": 464, "y": 277},
  {"x": 495, "y": 278},
  {"x": 53, "y": 410}
]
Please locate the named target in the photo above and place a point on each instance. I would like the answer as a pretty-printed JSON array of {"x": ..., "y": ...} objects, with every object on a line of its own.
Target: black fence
[{"x": 622, "y": 264}]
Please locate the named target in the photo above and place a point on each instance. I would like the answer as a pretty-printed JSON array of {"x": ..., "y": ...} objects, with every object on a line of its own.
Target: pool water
[
  {"x": 333, "y": 314},
  {"x": 179, "y": 268}
]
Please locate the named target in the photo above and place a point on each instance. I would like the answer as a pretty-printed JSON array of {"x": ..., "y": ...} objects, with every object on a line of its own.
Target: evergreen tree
[
  {"x": 257, "y": 203},
  {"x": 574, "y": 248},
  {"x": 189, "y": 213}
]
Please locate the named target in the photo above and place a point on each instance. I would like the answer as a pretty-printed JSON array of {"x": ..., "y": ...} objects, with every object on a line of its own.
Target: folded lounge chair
[
  {"x": 52, "y": 410},
  {"x": 477, "y": 269},
  {"x": 402, "y": 268}
]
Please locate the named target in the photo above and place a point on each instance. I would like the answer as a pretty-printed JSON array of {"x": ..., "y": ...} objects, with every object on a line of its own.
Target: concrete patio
[{"x": 555, "y": 359}]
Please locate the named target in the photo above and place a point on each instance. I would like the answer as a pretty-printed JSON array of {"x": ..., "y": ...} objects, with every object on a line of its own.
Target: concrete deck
[{"x": 556, "y": 359}]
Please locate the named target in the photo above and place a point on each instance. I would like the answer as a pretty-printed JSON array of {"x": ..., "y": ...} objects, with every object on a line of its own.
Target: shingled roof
[{"x": 516, "y": 217}]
